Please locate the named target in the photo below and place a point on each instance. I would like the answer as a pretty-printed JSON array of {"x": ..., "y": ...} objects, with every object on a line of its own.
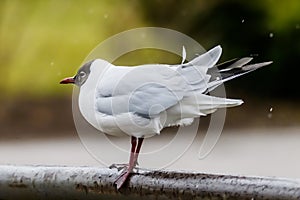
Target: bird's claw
[
  {"x": 119, "y": 167},
  {"x": 121, "y": 179},
  {"x": 124, "y": 172}
]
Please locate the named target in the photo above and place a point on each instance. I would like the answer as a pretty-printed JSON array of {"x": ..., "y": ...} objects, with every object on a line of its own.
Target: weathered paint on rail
[{"x": 59, "y": 182}]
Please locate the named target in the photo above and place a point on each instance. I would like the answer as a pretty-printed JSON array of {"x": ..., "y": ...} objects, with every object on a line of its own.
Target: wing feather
[{"x": 146, "y": 90}]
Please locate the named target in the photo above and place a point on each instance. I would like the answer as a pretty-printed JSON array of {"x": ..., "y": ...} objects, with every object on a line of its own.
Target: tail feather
[
  {"x": 236, "y": 69},
  {"x": 230, "y": 63},
  {"x": 238, "y": 64},
  {"x": 208, "y": 59},
  {"x": 195, "y": 71},
  {"x": 197, "y": 105},
  {"x": 202, "y": 73},
  {"x": 200, "y": 104}
]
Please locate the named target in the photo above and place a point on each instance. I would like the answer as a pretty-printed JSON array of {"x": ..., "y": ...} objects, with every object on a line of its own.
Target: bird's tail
[
  {"x": 230, "y": 70},
  {"x": 204, "y": 75},
  {"x": 197, "y": 105}
]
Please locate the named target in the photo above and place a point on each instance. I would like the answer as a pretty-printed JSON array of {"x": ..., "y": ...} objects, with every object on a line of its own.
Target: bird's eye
[{"x": 82, "y": 74}]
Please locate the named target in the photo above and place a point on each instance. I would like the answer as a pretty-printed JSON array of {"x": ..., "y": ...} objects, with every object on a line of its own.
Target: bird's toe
[
  {"x": 119, "y": 167},
  {"x": 121, "y": 179}
]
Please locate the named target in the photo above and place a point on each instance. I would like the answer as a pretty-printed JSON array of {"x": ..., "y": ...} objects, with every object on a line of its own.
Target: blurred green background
[{"x": 41, "y": 42}]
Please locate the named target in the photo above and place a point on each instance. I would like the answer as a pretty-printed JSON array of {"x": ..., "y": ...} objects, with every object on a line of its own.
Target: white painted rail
[{"x": 59, "y": 182}]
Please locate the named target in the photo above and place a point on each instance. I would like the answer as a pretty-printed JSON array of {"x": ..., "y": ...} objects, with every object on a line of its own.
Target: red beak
[{"x": 67, "y": 80}]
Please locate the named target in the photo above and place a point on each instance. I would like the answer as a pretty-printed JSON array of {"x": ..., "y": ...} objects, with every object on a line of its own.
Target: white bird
[{"x": 140, "y": 101}]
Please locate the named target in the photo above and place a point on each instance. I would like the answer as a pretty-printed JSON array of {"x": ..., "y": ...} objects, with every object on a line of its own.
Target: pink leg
[
  {"x": 133, "y": 147},
  {"x": 138, "y": 148},
  {"x": 132, "y": 162},
  {"x": 132, "y": 152}
]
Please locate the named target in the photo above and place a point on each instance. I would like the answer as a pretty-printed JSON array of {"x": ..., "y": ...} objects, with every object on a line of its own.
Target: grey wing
[
  {"x": 146, "y": 91},
  {"x": 152, "y": 99}
]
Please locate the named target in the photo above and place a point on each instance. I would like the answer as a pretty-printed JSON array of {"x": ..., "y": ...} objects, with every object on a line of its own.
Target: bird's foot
[
  {"x": 121, "y": 179},
  {"x": 118, "y": 166}
]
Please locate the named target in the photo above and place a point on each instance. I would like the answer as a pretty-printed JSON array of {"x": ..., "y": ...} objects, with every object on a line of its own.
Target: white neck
[{"x": 88, "y": 92}]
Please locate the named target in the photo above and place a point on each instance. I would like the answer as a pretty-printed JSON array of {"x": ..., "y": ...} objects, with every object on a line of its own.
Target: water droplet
[
  {"x": 271, "y": 35},
  {"x": 270, "y": 114},
  {"x": 243, "y": 20}
]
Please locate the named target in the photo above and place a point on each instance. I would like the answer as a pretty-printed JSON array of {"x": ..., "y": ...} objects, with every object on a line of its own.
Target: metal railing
[{"x": 59, "y": 182}]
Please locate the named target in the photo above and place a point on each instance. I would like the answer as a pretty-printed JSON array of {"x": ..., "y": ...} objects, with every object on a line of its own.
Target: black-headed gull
[{"x": 140, "y": 101}]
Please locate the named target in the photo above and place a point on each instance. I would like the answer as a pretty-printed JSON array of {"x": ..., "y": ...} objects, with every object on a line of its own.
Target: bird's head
[{"x": 81, "y": 77}]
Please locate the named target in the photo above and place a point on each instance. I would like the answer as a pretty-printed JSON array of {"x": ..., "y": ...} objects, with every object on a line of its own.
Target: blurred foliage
[
  {"x": 269, "y": 29},
  {"x": 44, "y": 41}
]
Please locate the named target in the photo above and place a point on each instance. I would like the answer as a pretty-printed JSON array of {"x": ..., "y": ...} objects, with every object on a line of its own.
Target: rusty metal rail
[{"x": 57, "y": 182}]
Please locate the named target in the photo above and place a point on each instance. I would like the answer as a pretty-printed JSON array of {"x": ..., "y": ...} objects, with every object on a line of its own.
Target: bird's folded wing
[
  {"x": 152, "y": 99},
  {"x": 144, "y": 90}
]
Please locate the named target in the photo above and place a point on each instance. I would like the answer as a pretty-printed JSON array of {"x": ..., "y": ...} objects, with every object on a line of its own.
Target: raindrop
[
  {"x": 243, "y": 20},
  {"x": 271, "y": 35},
  {"x": 270, "y": 114}
]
